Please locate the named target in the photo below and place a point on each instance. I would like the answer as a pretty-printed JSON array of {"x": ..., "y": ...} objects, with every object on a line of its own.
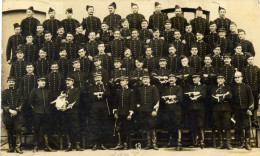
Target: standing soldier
[
  {"x": 195, "y": 61},
  {"x": 217, "y": 59},
  {"x": 116, "y": 47},
  {"x": 247, "y": 46},
  {"x": 79, "y": 37},
  {"x": 178, "y": 22},
  {"x": 30, "y": 50},
  {"x": 212, "y": 37},
  {"x": 222, "y": 21},
  {"x": 189, "y": 37},
  {"x": 239, "y": 59},
  {"x": 203, "y": 47},
  {"x": 196, "y": 96},
  {"x": 173, "y": 61},
  {"x": 98, "y": 69},
  {"x": 228, "y": 70},
  {"x": 113, "y": 19},
  {"x": 135, "y": 44},
  {"x": 52, "y": 24},
  {"x": 199, "y": 23},
  {"x": 29, "y": 24},
  {"x": 91, "y": 46},
  {"x": 91, "y": 23},
  {"x": 172, "y": 97},
  {"x": 12, "y": 118},
  {"x": 13, "y": 43},
  {"x": 39, "y": 100},
  {"x": 69, "y": 23},
  {"x": 85, "y": 64},
  {"x": 208, "y": 72},
  {"x": 158, "y": 45},
  {"x": 233, "y": 35},
  {"x": 181, "y": 48},
  {"x": 168, "y": 33},
  {"x": 137, "y": 74},
  {"x": 145, "y": 34},
  {"x": 42, "y": 65},
  {"x": 135, "y": 18},
  {"x": 225, "y": 44},
  {"x": 105, "y": 35},
  {"x": 71, "y": 47},
  {"x": 63, "y": 62},
  {"x": 252, "y": 78},
  {"x": 148, "y": 105},
  {"x": 106, "y": 61},
  {"x": 156, "y": 20},
  {"x": 61, "y": 37},
  {"x": 50, "y": 46},
  {"x": 123, "y": 109},
  {"x": 150, "y": 61},
  {"x": 243, "y": 105},
  {"x": 39, "y": 37},
  {"x": 128, "y": 63}
]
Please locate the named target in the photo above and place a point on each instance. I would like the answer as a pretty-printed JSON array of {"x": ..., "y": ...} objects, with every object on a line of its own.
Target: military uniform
[
  {"x": 64, "y": 66},
  {"x": 106, "y": 62},
  {"x": 135, "y": 20},
  {"x": 29, "y": 25},
  {"x": 145, "y": 35},
  {"x": 39, "y": 40},
  {"x": 128, "y": 64},
  {"x": 173, "y": 63},
  {"x": 135, "y": 78},
  {"x": 168, "y": 36},
  {"x": 179, "y": 23},
  {"x": 52, "y": 26},
  {"x": 211, "y": 73},
  {"x": 157, "y": 20},
  {"x": 116, "y": 48},
  {"x": 181, "y": 49},
  {"x": 151, "y": 63},
  {"x": 30, "y": 52},
  {"x": 105, "y": 37},
  {"x": 51, "y": 49},
  {"x": 223, "y": 23},
  {"x": 104, "y": 74},
  {"x": 42, "y": 66},
  {"x": 196, "y": 63},
  {"x": 91, "y": 48},
  {"x": 113, "y": 21},
  {"x": 69, "y": 25},
  {"x": 125, "y": 32},
  {"x": 226, "y": 45},
  {"x": 91, "y": 23},
  {"x": 79, "y": 39},
  {"x": 211, "y": 39},
  {"x": 199, "y": 23},
  {"x": 238, "y": 61},
  {"x": 247, "y": 47},
  {"x": 203, "y": 48},
  {"x": 158, "y": 46},
  {"x": 228, "y": 71},
  {"x": 71, "y": 49},
  {"x": 217, "y": 61},
  {"x": 85, "y": 64},
  {"x": 137, "y": 47},
  {"x": 79, "y": 77},
  {"x": 190, "y": 38},
  {"x": 233, "y": 37},
  {"x": 18, "y": 70},
  {"x": 157, "y": 79},
  {"x": 12, "y": 46}
]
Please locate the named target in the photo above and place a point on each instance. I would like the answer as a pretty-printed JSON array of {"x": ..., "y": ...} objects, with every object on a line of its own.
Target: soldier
[
  {"x": 106, "y": 61},
  {"x": 135, "y": 44},
  {"x": 168, "y": 33},
  {"x": 91, "y": 46},
  {"x": 172, "y": 97},
  {"x": 233, "y": 35},
  {"x": 220, "y": 96},
  {"x": 98, "y": 68},
  {"x": 178, "y": 22},
  {"x": 212, "y": 37},
  {"x": 60, "y": 38},
  {"x": 217, "y": 59},
  {"x": 222, "y": 21},
  {"x": 50, "y": 46},
  {"x": 238, "y": 59},
  {"x": 225, "y": 44},
  {"x": 116, "y": 47},
  {"x": 196, "y": 96},
  {"x": 78, "y": 76},
  {"x": 135, "y": 19},
  {"x": 128, "y": 63},
  {"x": 243, "y": 105},
  {"x": 17, "y": 70},
  {"x": 113, "y": 19},
  {"x": 85, "y": 64},
  {"x": 63, "y": 62},
  {"x": 252, "y": 78},
  {"x": 195, "y": 61},
  {"x": 52, "y": 24},
  {"x": 79, "y": 37},
  {"x": 71, "y": 47},
  {"x": 12, "y": 118},
  {"x": 203, "y": 47},
  {"x": 156, "y": 20},
  {"x": 123, "y": 109},
  {"x": 181, "y": 48},
  {"x": 42, "y": 65},
  {"x": 69, "y": 116},
  {"x": 27, "y": 83},
  {"x": 30, "y": 50},
  {"x": 158, "y": 45},
  {"x": 29, "y": 24},
  {"x": 39, "y": 100},
  {"x": 125, "y": 31},
  {"x": 148, "y": 105},
  {"x": 208, "y": 72},
  {"x": 189, "y": 37},
  {"x": 116, "y": 74},
  {"x": 228, "y": 70},
  {"x": 150, "y": 61},
  {"x": 105, "y": 35},
  {"x": 173, "y": 61},
  {"x": 199, "y": 23},
  {"x": 145, "y": 34},
  {"x": 99, "y": 111},
  {"x": 137, "y": 74},
  {"x": 247, "y": 46},
  {"x": 91, "y": 23},
  {"x": 39, "y": 37},
  {"x": 69, "y": 23},
  {"x": 13, "y": 43}
]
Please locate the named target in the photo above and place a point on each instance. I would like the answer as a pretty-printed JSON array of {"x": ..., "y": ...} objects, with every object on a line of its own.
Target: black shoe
[
  {"x": 118, "y": 147},
  {"x": 103, "y": 147},
  {"x": 202, "y": 144},
  {"x": 78, "y": 148},
  {"x": 255, "y": 124},
  {"x": 18, "y": 150},
  {"x": 229, "y": 146},
  {"x": 94, "y": 148},
  {"x": 221, "y": 145},
  {"x": 69, "y": 148},
  {"x": 247, "y": 146},
  {"x": 155, "y": 147},
  {"x": 35, "y": 149},
  {"x": 10, "y": 150},
  {"x": 179, "y": 148},
  {"x": 125, "y": 146}
]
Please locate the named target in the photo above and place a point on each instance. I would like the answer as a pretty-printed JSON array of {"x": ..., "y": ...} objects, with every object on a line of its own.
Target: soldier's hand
[
  {"x": 183, "y": 41},
  {"x": 129, "y": 117},
  {"x": 128, "y": 37},
  {"x": 90, "y": 58},
  {"x": 9, "y": 62},
  {"x": 116, "y": 116},
  {"x": 98, "y": 35},
  {"x": 138, "y": 105},
  {"x": 109, "y": 54},
  {"x": 154, "y": 113},
  {"x": 12, "y": 112},
  {"x": 148, "y": 41},
  {"x": 162, "y": 38},
  {"x": 249, "y": 112},
  {"x": 205, "y": 75}
]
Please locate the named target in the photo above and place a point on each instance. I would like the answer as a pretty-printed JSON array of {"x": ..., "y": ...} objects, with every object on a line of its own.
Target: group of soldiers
[{"x": 163, "y": 72}]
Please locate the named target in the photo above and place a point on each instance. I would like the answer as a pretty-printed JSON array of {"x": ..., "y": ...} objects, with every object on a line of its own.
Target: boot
[
  {"x": 35, "y": 148},
  {"x": 242, "y": 143},
  {"x": 179, "y": 148},
  {"x": 228, "y": 137},
  {"x": 148, "y": 146},
  {"x": 103, "y": 147},
  {"x": 10, "y": 142},
  {"x": 125, "y": 146},
  {"x": 78, "y": 148},
  {"x": 94, "y": 147},
  {"x": 69, "y": 144},
  {"x": 202, "y": 144},
  {"x": 18, "y": 148},
  {"x": 220, "y": 137},
  {"x": 47, "y": 147},
  {"x": 169, "y": 142},
  {"x": 154, "y": 140},
  {"x": 248, "y": 147},
  {"x": 119, "y": 145}
]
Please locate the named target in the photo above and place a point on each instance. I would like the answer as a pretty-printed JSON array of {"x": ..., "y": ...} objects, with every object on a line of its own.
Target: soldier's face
[
  {"x": 250, "y": 60},
  {"x": 222, "y": 13},
  {"x": 188, "y": 29},
  {"x": 98, "y": 78},
  {"x": 196, "y": 79},
  {"x": 82, "y": 53},
  {"x": 69, "y": 83},
  {"x": 97, "y": 63},
  {"x": 123, "y": 83},
  {"x": 158, "y": 8},
  {"x": 222, "y": 34},
  {"x": 162, "y": 64},
  {"x": 178, "y": 12},
  {"x": 29, "y": 69},
  {"x": 238, "y": 49},
  {"x": 146, "y": 80},
  {"x": 60, "y": 31},
  {"x": 135, "y": 9},
  {"x": 227, "y": 60},
  {"x": 41, "y": 83},
  {"x": 168, "y": 26},
  {"x": 238, "y": 78},
  {"x": 17, "y": 30},
  {"x": 54, "y": 67},
  {"x": 52, "y": 14},
  {"x": 39, "y": 29},
  {"x": 212, "y": 27},
  {"x": 177, "y": 35},
  {"x": 135, "y": 34},
  {"x": 48, "y": 37},
  {"x": 111, "y": 9},
  {"x": 29, "y": 39},
  {"x": 69, "y": 37},
  {"x": 19, "y": 55},
  {"x": 233, "y": 28},
  {"x": 172, "y": 79},
  {"x": 199, "y": 36},
  {"x": 91, "y": 11},
  {"x": 241, "y": 35},
  {"x": 104, "y": 27},
  {"x": 29, "y": 13},
  {"x": 138, "y": 64},
  {"x": 184, "y": 62},
  {"x": 144, "y": 25},
  {"x": 92, "y": 36},
  {"x": 221, "y": 80},
  {"x": 125, "y": 24},
  {"x": 194, "y": 51},
  {"x": 69, "y": 15},
  {"x": 207, "y": 60},
  {"x": 76, "y": 65},
  {"x": 101, "y": 47},
  {"x": 42, "y": 54},
  {"x": 172, "y": 50},
  {"x": 11, "y": 83},
  {"x": 127, "y": 53},
  {"x": 63, "y": 53},
  {"x": 156, "y": 34},
  {"x": 117, "y": 65},
  {"x": 117, "y": 34},
  {"x": 198, "y": 13},
  {"x": 217, "y": 51},
  {"x": 79, "y": 29},
  {"x": 148, "y": 51}
]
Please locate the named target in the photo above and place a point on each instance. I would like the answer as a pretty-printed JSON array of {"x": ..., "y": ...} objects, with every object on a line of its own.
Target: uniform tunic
[
  {"x": 238, "y": 61},
  {"x": 51, "y": 49},
  {"x": 217, "y": 61},
  {"x": 228, "y": 71},
  {"x": 18, "y": 70},
  {"x": 91, "y": 23},
  {"x": 105, "y": 37},
  {"x": 91, "y": 48},
  {"x": 190, "y": 38},
  {"x": 69, "y": 25},
  {"x": 79, "y": 77},
  {"x": 137, "y": 47},
  {"x": 211, "y": 72},
  {"x": 106, "y": 62},
  {"x": 29, "y": 25},
  {"x": 151, "y": 63},
  {"x": 64, "y": 66},
  {"x": 158, "y": 47},
  {"x": 247, "y": 46},
  {"x": 30, "y": 52},
  {"x": 203, "y": 48},
  {"x": 211, "y": 39},
  {"x": 12, "y": 45},
  {"x": 85, "y": 64},
  {"x": 234, "y": 38},
  {"x": 104, "y": 74},
  {"x": 145, "y": 35},
  {"x": 226, "y": 46},
  {"x": 135, "y": 20},
  {"x": 179, "y": 23},
  {"x": 39, "y": 40},
  {"x": 201, "y": 24},
  {"x": 181, "y": 49},
  {"x": 42, "y": 67},
  {"x": 168, "y": 36},
  {"x": 116, "y": 48},
  {"x": 128, "y": 64},
  {"x": 173, "y": 63},
  {"x": 71, "y": 49},
  {"x": 195, "y": 62},
  {"x": 223, "y": 23},
  {"x": 79, "y": 39},
  {"x": 156, "y": 20},
  {"x": 52, "y": 26},
  {"x": 113, "y": 21}
]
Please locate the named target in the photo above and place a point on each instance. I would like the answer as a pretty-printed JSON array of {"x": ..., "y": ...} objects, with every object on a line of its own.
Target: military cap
[
  {"x": 144, "y": 20},
  {"x": 237, "y": 44},
  {"x": 146, "y": 75},
  {"x": 155, "y": 29},
  {"x": 171, "y": 45},
  {"x": 70, "y": 32},
  {"x": 96, "y": 58},
  {"x": 39, "y": 24},
  {"x": 69, "y": 78},
  {"x": 172, "y": 75},
  {"x": 89, "y": 6},
  {"x": 241, "y": 30},
  {"x": 113, "y": 4},
  {"x": 97, "y": 74},
  {"x": 51, "y": 10},
  {"x": 167, "y": 21},
  {"x": 200, "y": 32},
  {"x": 133, "y": 4},
  {"x": 221, "y": 30},
  {"x": 69, "y": 10},
  {"x": 248, "y": 55},
  {"x": 212, "y": 22},
  {"x": 29, "y": 34},
  {"x": 43, "y": 49},
  {"x": 10, "y": 79},
  {"x": 196, "y": 75},
  {"x": 19, "y": 51},
  {"x": 117, "y": 59},
  {"x": 187, "y": 24},
  {"x": 60, "y": 26},
  {"x": 216, "y": 45},
  {"x": 162, "y": 59},
  {"x": 47, "y": 32},
  {"x": 199, "y": 8},
  {"x": 123, "y": 20},
  {"x": 41, "y": 77},
  {"x": 147, "y": 46},
  {"x": 16, "y": 25},
  {"x": 227, "y": 55},
  {"x": 156, "y": 4},
  {"x": 123, "y": 78},
  {"x": 177, "y": 7},
  {"x": 30, "y": 8},
  {"x": 220, "y": 8},
  {"x": 116, "y": 29},
  {"x": 140, "y": 59},
  {"x": 62, "y": 48},
  {"x": 194, "y": 45},
  {"x": 75, "y": 60},
  {"x": 220, "y": 76},
  {"x": 78, "y": 25}
]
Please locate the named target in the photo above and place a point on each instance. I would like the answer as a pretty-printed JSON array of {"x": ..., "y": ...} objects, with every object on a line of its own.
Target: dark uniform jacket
[
  {"x": 106, "y": 62},
  {"x": 195, "y": 62},
  {"x": 85, "y": 64},
  {"x": 91, "y": 48},
  {"x": 199, "y": 23},
  {"x": 116, "y": 48},
  {"x": 128, "y": 64},
  {"x": 55, "y": 83},
  {"x": 39, "y": 40},
  {"x": 72, "y": 50},
  {"x": 217, "y": 61},
  {"x": 203, "y": 49},
  {"x": 156, "y": 20},
  {"x": 234, "y": 38},
  {"x": 168, "y": 36},
  {"x": 42, "y": 67},
  {"x": 117, "y": 73},
  {"x": 251, "y": 76},
  {"x": 247, "y": 46},
  {"x": 200, "y": 102},
  {"x": 105, "y": 37},
  {"x": 104, "y": 74},
  {"x": 238, "y": 61},
  {"x": 40, "y": 99},
  {"x": 125, "y": 32},
  {"x": 51, "y": 49},
  {"x": 30, "y": 52},
  {"x": 242, "y": 96},
  {"x": 223, "y": 23},
  {"x": 137, "y": 47},
  {"x": 69, "y": 25},
  {"x": 73, "y": 96},
  {"x": 27, "y": 83},
  {"x": 91, "y": 23},
  {"x": 11, "y": 99},
  {"x": 189, "y": 38},
  {"x": 64, "y": 66},
  {"x": 79, "y": 39},
  {"x": 145, "y": 34},
  {"x": 226, "y": 46},
  {"x": 223, "y": 103},
  {"x": 29, "y": 25},
  {"x": 211, "y": 72},
  {"x": 173, "y": 63},
  {"x": 12, "y": 46},
  {"x": 181, "y": 49},
  {"x": 173, "y": 90},
  {"x": 228, "y": 71},
  {"x": 95, "y": 102},
  {"x": 159, "y": 47},
  {"x": 211, "y": 39},
  {"x": 179, "y": 23},
  {"x": 113, "y": 21},
  {"x": 183, "y": 71},
  {"x": 79, "y": 77},
  {"x": 52, "y": 26},
  {"x": 18, "y": 70},
  {"x": 135, "y": 20},
  {"x": 148, "y": 97},
  {"x": 151, "y": 63}
]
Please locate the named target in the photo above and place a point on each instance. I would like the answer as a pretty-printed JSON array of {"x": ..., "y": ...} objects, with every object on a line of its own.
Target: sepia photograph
[{"x": 130, "y": 77}]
